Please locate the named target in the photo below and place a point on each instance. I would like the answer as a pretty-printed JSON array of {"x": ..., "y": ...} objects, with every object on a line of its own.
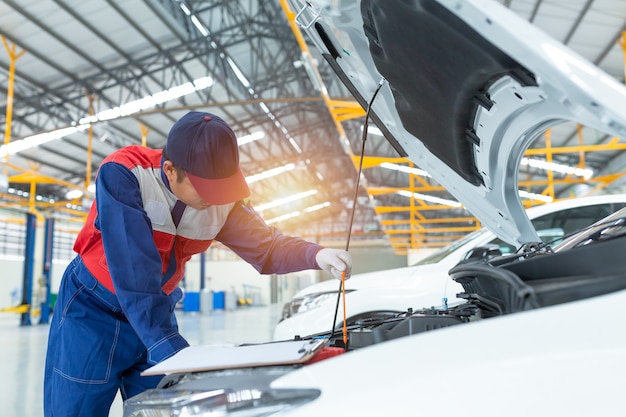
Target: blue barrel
[
  {"x": 219, "y": 300},
  {"x": 191, "y": 301}
]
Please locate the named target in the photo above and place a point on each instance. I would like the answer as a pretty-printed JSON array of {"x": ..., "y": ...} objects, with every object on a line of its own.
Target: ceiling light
[
  {"x": 403, "y": 168},
  {"x": 297, "y": 213},
  {"x": 73, "y": 194},
  {"x": 586, "y": 173},
  {"x": 295, "y": 145},
  {"x": 250, "y": 138},
  {"x": 317, "y": 207},
  {"x": 184, "y": 8},
  {"x": 431, "y": 199},
  {"x": 35, "y": 140},
  {"x": 283, "y": 217},
  {"x": 285, "y": 200},
  {"x": 270, "y": 173},
  {"x": 373, "y": 130},
  {"x": 108, "y": 114},
  {"x": 203, "y": 30},
  {"x": 534, "y": 196},
  {"x": 242, "y": 78}
]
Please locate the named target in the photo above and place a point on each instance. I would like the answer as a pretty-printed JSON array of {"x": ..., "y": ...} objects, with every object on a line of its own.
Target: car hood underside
[{"x": 466, "y": 87}]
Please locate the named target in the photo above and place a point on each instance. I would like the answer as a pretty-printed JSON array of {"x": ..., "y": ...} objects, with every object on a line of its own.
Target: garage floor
[{"x": 23, "y": 350}]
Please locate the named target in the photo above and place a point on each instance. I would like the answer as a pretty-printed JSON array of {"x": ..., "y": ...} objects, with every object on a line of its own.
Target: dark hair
[{"x": 181, "y": 174}]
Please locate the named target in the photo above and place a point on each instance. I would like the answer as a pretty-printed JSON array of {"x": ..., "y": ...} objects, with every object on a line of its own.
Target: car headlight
[
  {"x": 216, "y": 403},
  {"x": 308, "y": 302}
]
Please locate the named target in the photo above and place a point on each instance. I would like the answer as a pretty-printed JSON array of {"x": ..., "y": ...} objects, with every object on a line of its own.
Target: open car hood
[{"x": 467, "y": 86}]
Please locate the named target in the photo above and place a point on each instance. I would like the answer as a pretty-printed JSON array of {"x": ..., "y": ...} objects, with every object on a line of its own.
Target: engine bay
[{"x": 535, "y": 277}]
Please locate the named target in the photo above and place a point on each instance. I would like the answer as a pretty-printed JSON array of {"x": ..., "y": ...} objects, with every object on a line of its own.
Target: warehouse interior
[{"x": 79, "y": 80}]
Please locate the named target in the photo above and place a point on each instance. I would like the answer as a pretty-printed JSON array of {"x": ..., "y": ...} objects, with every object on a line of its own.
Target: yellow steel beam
[
  {"x": 449, "y": 220},
  {"x": 338, "y": 110},
  {"x": 26, "y": 175},
  {"x": 13, "y": 56},
  {"x": 19, "y": 309},
  {"x": 144, "y": 134},
  {"x": 393, "y": 209},
  {"x": 433, "y": 230},
  {"x": 374, "y": 161},
  {"x": 345, "y": 110},
  {"x": 613, "y": 145},
  {"x": 622, "y": 43},
  {"x": 90, "y": 98}
]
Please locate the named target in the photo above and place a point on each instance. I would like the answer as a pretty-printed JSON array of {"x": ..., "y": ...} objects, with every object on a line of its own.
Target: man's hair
[{"x": 181, "y": 174}]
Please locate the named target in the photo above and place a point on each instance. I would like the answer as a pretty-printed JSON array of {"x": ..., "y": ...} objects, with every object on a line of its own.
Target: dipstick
[{"x": 343, "y": 295}]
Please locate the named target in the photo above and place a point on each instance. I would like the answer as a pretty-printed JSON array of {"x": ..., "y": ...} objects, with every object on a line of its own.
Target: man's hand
[{"x": 335, "y": 261}]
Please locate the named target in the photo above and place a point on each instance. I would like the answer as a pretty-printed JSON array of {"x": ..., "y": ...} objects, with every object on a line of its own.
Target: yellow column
[
  {"x": 91, "y": 98},
  {"x": 13, "y": 56},
  {"x": 549, "y": 159},
  {"x": 623, "y": 45},
  {"x": 144, "y": 134}
]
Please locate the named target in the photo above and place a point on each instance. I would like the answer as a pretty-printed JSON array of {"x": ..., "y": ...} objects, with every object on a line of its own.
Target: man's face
[{"x": 182, "y": 187}]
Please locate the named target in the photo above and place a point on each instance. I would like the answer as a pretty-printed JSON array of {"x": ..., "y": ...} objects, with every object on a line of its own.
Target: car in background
[
  {"x": 380, "y": 294},
  {"x": 465, "y": 86}
]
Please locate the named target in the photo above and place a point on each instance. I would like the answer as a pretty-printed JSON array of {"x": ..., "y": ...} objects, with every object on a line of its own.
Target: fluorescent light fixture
[
  {"x": 295, "y": 144},
  {"x": 586, "y": 173},
  {"x": 72, "y": 194},
  {"x": 285, "y": 200},
  {"x": 203, "y": 30},
  {"x": 250, "y": 138},
  {"x": 298, "y": 213},
  {"x": 35, "y": 140},
  {"x": 283, "y": 217},
  {"x": 269, "y": 173},
  {"x": 242, "y": 78},
  {"x": 150, "y": 101},
  {"x": 402, "y": 168},
  {"x": 108, "y": 114},
  {"x": 185, "y": 9},
  {"x": 534, "y": 196},
  {"x": 266, "y": 109},
  {"x": 317, "y": 207},
  {"x": 373, "y": 130},
  {"x": 431, "y": 199}
]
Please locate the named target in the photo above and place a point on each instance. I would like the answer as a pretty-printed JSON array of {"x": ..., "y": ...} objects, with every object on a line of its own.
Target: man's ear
[{"x": 170, "y": 172}]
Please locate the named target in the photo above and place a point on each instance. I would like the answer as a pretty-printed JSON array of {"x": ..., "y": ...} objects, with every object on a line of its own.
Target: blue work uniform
[{"x": 114, "y": 315}]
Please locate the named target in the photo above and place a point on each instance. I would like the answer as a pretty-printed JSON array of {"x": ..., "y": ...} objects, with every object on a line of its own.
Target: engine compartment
[{"x": 532, "y": 279}]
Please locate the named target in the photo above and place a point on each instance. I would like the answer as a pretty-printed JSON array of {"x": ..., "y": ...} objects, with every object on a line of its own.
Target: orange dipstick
[{"x": 343, "y": 295}]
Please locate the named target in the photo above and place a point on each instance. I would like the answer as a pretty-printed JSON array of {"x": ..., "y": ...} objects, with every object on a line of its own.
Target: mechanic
[{"x": 153, "y": 210}]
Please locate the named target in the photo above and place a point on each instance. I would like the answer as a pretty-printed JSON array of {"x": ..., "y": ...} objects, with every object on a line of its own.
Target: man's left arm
[{"x": 269, "y": 251}]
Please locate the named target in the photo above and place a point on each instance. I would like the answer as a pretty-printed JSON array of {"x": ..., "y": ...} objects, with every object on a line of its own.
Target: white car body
[
  {"x": 563, "y": 360},
  {"x": 418, "y": 286}
]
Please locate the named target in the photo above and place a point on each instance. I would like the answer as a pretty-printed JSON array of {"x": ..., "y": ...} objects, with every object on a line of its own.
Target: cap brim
[{"x": 222, "y": 190}]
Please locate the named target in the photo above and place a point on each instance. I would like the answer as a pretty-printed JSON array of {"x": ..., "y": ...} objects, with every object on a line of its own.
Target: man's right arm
[{"x": 134, "y": 262}]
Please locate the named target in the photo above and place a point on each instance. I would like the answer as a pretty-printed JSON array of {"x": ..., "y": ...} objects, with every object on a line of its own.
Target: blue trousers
[{"x": 92, "y": 350}]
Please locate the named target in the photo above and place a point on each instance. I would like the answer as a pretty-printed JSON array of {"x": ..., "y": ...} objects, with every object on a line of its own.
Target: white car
[
  {"x": 376, "y": 295},
  {"x": 538, "y": 335},
  {"x": 465, "y": 87}
]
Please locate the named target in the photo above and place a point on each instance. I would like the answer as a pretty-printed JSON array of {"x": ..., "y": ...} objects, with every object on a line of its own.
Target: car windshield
[
  {"x": 444, "y": 252},
  {"x": 610, "y": 227}
]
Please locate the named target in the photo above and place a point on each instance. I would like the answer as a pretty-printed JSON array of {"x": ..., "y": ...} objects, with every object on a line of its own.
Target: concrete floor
[{"x": 23, "y": 350}]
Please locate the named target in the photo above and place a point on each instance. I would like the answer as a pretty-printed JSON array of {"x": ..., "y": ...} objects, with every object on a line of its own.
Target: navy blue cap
[{"x": 205, "y": 147}]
